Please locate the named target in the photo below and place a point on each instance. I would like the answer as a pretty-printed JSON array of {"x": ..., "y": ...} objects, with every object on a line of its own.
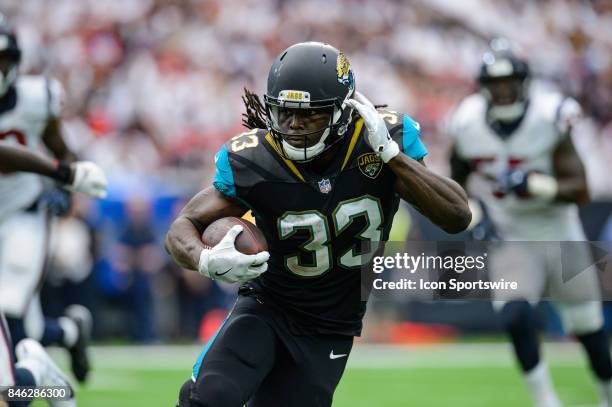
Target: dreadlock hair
[{"x": 255, "y": 116}]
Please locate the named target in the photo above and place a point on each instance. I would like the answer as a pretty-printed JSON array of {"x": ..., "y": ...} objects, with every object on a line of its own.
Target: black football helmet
[
  {"x": 312, "y": 76},
  {"x": 10, "y": 55},
  {"x": 504, "y": 81}
]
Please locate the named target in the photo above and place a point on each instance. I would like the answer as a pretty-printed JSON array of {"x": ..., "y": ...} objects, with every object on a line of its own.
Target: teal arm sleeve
[
  {"x": 412, "y": 145},
  {"x": 224, "y": 178}
]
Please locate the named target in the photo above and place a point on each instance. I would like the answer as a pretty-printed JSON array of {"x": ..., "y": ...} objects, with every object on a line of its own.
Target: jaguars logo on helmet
[{"x": 345, "y": 73}]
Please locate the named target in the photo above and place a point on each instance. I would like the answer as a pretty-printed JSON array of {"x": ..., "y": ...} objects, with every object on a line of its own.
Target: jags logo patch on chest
[{"x": 370, "y": 165}]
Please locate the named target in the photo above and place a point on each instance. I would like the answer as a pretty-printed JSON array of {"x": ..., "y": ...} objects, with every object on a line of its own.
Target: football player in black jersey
[{"x": 322, "y": 172}]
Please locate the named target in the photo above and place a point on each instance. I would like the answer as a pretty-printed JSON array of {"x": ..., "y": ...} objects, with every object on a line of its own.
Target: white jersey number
[{"x": 317, "y": 246}]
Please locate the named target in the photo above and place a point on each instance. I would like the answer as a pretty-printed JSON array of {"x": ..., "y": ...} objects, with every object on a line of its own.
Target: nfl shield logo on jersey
[{"x": 325, "y": 186}]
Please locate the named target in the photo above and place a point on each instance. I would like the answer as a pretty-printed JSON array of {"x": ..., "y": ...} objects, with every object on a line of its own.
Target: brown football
[{"x": 250, "y": 241}]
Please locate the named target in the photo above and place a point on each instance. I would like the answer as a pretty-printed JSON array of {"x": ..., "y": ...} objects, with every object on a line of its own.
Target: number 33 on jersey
[{"x": 317, "y": 224}]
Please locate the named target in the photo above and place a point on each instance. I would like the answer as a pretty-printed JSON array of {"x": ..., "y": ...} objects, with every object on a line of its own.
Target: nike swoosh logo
[
  {"x": 332, "y": 356},
  {"x": 225, "y": 272}
]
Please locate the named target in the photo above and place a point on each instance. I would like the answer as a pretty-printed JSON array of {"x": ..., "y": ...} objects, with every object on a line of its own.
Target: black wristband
[{"x": 63, "y": 173}]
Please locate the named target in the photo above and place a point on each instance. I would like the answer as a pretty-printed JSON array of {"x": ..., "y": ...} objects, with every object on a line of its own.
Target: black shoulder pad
[
  {"x": 253, "y": 159},
  {"x": 393, "y": 120}
]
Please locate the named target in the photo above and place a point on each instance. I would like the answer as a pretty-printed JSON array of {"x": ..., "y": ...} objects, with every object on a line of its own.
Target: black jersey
[{"x": 315, "y": 223}]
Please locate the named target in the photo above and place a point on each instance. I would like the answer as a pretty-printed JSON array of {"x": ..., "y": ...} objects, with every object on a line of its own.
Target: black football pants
[{"x": 255, "y": 360}]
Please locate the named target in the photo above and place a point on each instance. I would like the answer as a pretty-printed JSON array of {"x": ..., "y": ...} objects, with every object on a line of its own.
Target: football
[{"x": 250, "y": 241}]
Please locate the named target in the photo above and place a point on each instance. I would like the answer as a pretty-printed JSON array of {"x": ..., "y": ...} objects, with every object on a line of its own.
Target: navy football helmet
[{"x": 504, "y": 81}]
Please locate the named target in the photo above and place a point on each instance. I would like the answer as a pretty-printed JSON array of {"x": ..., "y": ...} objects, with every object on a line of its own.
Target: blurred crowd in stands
[{"x": 153, "y": 88}]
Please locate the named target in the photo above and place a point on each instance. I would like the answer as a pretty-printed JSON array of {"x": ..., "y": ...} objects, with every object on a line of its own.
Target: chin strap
[
  {"x": 308, "y": 153},
  {"x": 507, "y": 113}
]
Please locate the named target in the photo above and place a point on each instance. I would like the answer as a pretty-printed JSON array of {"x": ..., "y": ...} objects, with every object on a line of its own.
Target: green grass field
[{"x": 432, "y": 375}]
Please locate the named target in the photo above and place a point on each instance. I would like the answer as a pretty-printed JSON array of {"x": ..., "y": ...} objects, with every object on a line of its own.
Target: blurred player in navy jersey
[
  {"x": 34, "y": 367},
  {"x": 323, "y": 171},
  {"x": 30, "y": 116},
  {"x": 518, "y": 141}
]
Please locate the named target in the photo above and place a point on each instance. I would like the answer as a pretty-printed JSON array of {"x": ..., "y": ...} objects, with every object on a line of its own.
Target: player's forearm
[
  {"x": 573, "y": 190},
  {"x": 20, "y": 159},
  {"x": 54, "y": 141},
  {"x": 569, "y": 183},
  {"x": 439, "y": 198},
  {"x": 183, "y": 240},
  {"x": 183, "y": 243}
]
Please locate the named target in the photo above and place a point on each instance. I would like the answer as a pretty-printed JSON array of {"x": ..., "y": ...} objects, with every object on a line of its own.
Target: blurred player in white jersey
[
  {"x": 35, "y": 368},
  {"x": 30, "y": 116},
  {"x": 515, "y": 143}
]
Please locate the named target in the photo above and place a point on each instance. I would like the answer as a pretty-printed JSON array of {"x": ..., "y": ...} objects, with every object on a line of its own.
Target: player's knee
[
  {"x": 216, "y": 390},
  {"x": 517, "y": 315},
  {"x": 582, "y": 318},
  {"x": 184, "y": 393}
]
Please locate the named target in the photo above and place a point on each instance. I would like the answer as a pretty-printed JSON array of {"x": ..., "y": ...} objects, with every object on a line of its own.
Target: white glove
[
  {"x": 378, "y": 136},
  {"x": 223, "y": 262},
  {"x": 89, "y": 179}
]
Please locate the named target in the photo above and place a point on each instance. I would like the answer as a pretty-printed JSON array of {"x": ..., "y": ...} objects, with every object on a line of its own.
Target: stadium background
[{"x": 152, "y": 90}]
